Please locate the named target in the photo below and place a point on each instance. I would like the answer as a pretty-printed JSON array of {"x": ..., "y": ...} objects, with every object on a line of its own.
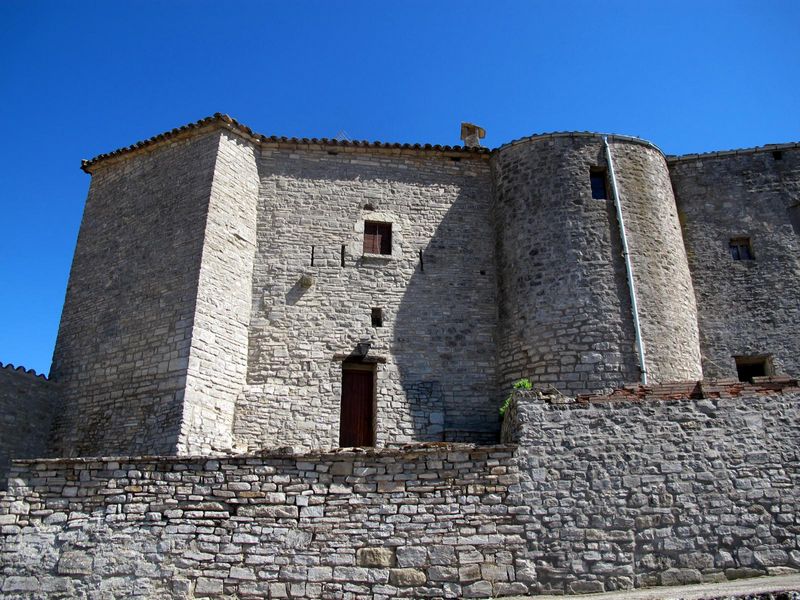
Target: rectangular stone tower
[{"x": 152, "y": 347}]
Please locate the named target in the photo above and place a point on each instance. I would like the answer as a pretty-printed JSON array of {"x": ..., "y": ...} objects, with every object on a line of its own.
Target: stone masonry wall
[
  {"x": 27, "y": 404},
  {"x": 218, "y": 355},
  {"x": 436, "y": 350},
  {"x": 565, "y": 310},
  {"x": 416, "y": 522},
  {"x": 122, "y": 351},
  {"x": 664, "y": 290},
  {"x": 649, "y": 486},
  {"x": 746, "y": 307}
]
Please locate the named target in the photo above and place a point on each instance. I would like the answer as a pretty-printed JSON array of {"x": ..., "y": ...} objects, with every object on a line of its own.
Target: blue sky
[{"x": 81, "y": 78}]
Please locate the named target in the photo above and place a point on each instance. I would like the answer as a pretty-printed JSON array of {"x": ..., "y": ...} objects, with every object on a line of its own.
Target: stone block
[
  {"x": 74, "y": 563},
  {"x": 469, "y": 573},
  {"x": 320, "y": 573},
  {"x": 586, "y": 587},
  {"x": 278, "y": 590},
  {"x": 208, "y": 587},
  {"x": 438, "y": 573},
  {"x": 411, "y": 556},
  {"x": 442, "y": 555},
  {"x": 771, "y": 557},
  {"x": 375, "y": 557},
  {"x": 680, "y": 577},
  {"x": 479, "y": 589},
  {"x": 242, "y": 573},
  {"x": 407, "y": 577},
  {"x": 493, "y": 573}
]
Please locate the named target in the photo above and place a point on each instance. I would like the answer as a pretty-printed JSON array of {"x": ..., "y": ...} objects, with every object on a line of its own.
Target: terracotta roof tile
[{"x": 222, "y": 120}]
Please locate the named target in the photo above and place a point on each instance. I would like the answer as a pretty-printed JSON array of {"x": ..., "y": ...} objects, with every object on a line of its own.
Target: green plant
[{"x": 519, "y": 384}]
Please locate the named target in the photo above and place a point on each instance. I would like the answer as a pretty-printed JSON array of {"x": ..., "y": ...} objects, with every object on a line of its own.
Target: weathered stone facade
[
  {"x": 437, "y": 377},
  {"x": 688, "y": 483},
  {"x": 565, "y": 310},
  {"x": 229, "y": 291},
  {"x": 396, "y": 523},
  {"x": 746, "y": 307},
  {"x": 678, "y": 484},
  {"x": 220, "y": 287}
]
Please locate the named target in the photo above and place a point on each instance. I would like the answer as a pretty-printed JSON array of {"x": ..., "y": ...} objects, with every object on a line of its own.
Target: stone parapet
[{"x": 27, "y": 404}]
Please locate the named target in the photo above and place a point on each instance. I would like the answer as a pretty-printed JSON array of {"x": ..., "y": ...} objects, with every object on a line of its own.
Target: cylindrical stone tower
[{"x": 565, "y": 309}]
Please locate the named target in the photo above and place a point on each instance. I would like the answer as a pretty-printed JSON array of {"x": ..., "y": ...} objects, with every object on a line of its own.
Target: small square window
[
  {"x": 377, "y": 317},
  {"x": 748, "y": 367},
  {"x": 377, "y": 238},
  {"x": 597, "y": 178},
  {"x": 741, "y": 249}
]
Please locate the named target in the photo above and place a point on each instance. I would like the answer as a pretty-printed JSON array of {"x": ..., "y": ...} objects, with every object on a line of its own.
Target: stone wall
[
  {"x": 217, "y": 365},
  {"x": 434, "y": 353},
  {"x": 679, "y": 484},
  {"x": 122, "y": 351},
  {"x": 27, "y": 404},
  {"x": 647, "y": 486},
  {"x": 416, "y": 522},
  {"x": 565, "y": 310},
  {"x": 664, "y": 288},
  {"x": 746, "y": 307}
]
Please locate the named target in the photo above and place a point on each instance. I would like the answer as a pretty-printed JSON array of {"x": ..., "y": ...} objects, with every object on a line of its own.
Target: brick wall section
[
  {"x": 746, "y": 308},
  {"x": 415, "y": 522},
  {"x": 218, "y": 356},
  {"x": 437, "y": 338},
  {"x": 565, "y": 310},
  {"x": 122, "y": 351},
  {"x": 645, "y": 489},
  {"x": 27, "y": 404}
]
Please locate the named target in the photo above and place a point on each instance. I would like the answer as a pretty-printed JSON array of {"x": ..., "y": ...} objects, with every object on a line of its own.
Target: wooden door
[{"x": 356, "y": 421}]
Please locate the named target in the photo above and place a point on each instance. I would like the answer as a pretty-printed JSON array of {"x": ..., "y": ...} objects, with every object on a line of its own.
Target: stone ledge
[
  {"x": 407, "y": 450},
  {"x": 741, "y": 588}
]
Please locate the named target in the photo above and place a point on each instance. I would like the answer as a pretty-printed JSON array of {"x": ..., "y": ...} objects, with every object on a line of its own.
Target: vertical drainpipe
[{"x": 628, "y": 266}]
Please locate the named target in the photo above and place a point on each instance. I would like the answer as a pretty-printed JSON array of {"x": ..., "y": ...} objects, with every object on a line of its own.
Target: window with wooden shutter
[{"x": 377, "y": 238}]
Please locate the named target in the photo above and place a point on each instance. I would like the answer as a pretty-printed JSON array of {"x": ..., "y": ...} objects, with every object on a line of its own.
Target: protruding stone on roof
[{"x": 472, "y": 135}]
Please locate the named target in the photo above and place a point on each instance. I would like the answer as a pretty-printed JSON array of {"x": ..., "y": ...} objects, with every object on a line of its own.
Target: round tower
[{"x": 566, "y": 312}]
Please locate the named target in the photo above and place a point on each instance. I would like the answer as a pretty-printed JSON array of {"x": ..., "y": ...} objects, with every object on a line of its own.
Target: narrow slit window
[
  {"x": 597, "y": 177},
  {"x": 741, "y": 249},
  {"x": 377, "y": 238},
  {"x": 377, "y": 317},
  {"x": 748, "y": 367}
]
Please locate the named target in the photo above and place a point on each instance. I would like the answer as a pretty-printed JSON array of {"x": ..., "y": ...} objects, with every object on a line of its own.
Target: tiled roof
[
  {"x": 715, "y": 153},
  {"x": 221, "y": 120}
]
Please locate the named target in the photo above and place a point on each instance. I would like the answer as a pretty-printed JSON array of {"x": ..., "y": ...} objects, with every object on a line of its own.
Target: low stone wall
[
  {"x": 659, "y": 486},
  {"x": 683, "y": 483},
  {"x": 27, "y": 404},
  {"x": 416, "y": 522}
]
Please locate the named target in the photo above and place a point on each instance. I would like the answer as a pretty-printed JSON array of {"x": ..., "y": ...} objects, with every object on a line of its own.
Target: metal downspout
[{"x": 628, "y": 266}]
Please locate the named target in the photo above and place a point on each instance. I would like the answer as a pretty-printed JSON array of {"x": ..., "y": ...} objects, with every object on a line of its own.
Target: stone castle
[{"x": 233, "y": 293}]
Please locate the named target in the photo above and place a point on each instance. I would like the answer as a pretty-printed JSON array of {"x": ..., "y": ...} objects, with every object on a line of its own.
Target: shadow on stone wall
[{"x": 444, "y": 330}]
